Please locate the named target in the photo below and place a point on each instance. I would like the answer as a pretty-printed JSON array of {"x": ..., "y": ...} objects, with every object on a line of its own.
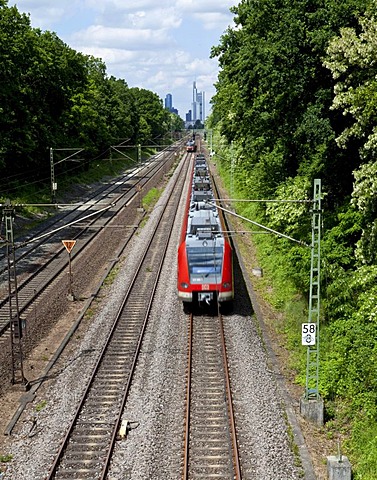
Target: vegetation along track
[
  {"x": 87, "y": 447},
  {"x": 42, "y": 262},
  {"x": 210, "y": 441}
]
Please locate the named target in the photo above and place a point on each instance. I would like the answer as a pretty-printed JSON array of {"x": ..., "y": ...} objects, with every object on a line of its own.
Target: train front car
[
  {"x": 205, "y": 267},
  {"x": 191, "y": 146}
]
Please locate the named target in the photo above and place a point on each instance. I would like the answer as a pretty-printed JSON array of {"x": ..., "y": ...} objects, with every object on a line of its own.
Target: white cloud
[
  {"x": 125, "y": 38},
  {"x": 128, "y": 5},
  {"x": 213, "y": 20},
  {"x": 45, "y": 13},
  {"x": 159, "y": 18},
  {"x": 205, "y": 6}
]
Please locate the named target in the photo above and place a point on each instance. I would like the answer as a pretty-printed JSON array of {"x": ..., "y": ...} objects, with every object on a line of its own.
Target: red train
[
  {"x": 205, "y": 257},
  {"x": 191, "y": 146}
]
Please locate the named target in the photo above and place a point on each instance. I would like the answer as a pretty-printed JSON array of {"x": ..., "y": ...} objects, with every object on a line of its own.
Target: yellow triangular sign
[{"x": 69, "y": 244}]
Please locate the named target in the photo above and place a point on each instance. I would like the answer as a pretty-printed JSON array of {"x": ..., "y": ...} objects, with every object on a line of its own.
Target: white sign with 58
[{"x": 308, "y": 331}]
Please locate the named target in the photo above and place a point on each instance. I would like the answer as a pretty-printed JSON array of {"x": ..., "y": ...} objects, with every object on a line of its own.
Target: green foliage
[
  {"x": 351, "y": 59},
  {"x": 288, "y": 216},
  {"x": 364, "y": 449},
  {"x": 274, "y": 94},
  {"x": 154, "y": 120},
  {"x": 6, "y": 458},
  {"x": 341, "y": 234},
  {"x": 176, "y": 123},
  {"x": 365, "y": 200},
  {"x": 41, "y": 405},
  {"x": 151, "y": 198}
]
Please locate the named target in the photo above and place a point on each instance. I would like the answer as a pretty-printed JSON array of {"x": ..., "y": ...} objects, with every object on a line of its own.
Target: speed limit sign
[{"x": 308, "y": 331}]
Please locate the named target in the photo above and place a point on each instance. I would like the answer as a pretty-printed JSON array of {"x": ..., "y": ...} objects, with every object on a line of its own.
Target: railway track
[
  {"x": 40, "y": 264},
  {"x": 87, "y": 448},
  {"x": 210, "y": 441}
]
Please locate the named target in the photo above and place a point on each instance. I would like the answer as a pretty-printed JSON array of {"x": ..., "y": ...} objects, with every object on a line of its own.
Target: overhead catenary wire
[
  {"x": 262, "y": 200},
  {"x": 279, "y": 234}
]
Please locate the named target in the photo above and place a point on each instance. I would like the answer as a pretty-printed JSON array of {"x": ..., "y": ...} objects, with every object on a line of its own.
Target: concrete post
[
  {"x": 338, "y": 468},
  {"x": 312, "y": 410}
]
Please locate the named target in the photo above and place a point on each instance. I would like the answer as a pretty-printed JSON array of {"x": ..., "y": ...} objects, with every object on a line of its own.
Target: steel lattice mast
[
  {"x": 14, "y": 311},
  {"x": 312, "y": 364}
]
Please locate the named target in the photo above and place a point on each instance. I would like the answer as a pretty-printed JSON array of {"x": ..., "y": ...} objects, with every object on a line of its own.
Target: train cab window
[{"x": 204, "y": 262}]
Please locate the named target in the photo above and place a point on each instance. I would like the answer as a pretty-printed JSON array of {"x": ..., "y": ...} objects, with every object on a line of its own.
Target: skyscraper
[
  {"x": 201, "y": 104},
  {"x": 198, "y": 104},
  {"x": 169, "y": 101},
  {"x": 169, "y": 104}
]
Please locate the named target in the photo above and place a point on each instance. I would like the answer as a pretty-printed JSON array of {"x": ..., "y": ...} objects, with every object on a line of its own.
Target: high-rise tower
[
  {"x": 198, "y": 104},
  {"x": 169, "y": 101}
]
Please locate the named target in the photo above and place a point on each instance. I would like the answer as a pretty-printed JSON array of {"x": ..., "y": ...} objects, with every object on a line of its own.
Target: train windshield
[{"x": 205, "y": 264}]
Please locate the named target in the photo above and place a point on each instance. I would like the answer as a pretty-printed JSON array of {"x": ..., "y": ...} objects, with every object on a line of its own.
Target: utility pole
[
  {"x": 16, "y": 324},
  {"x": 139, "y": 153},
  {"x": 53, "y": 183},
  {"x": 311, "y": 405}
]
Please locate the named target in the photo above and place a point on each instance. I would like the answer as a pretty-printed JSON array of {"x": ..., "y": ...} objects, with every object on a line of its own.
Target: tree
[
  {"x": 352, "y": 60},
  {"x": 176, "y": 122},
  {"x": 154, "y": 119},
  {"x": 121, "y": 111},
  {"x": 17, "y": 46}
]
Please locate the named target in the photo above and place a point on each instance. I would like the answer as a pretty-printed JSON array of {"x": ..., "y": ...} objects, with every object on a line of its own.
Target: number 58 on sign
[{"x": 308, "y": 331}]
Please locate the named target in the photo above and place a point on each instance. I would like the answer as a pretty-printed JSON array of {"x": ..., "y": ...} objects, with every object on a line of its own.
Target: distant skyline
[{"x": 163, "y": 47}]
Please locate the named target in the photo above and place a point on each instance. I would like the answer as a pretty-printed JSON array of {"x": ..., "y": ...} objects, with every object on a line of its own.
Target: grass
[
  {"x": 6, "y": 458},
  {"x": 151, "y": 198},
  {"x": 41, "y": 405},
  {"x": 111, "y": 276}
]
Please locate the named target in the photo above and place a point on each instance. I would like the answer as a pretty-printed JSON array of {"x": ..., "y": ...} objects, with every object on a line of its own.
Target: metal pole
[
  {"x": 53, "y": 183},
  {"x": 312, "y": 364},
  {"x": 71, "y": 297},
  {"x": 14, "y": 310}
]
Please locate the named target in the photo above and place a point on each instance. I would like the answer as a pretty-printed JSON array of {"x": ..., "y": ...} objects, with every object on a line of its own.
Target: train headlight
[
  {"x": 184, "y": 285},
  {"x": 226, "y": 285}
]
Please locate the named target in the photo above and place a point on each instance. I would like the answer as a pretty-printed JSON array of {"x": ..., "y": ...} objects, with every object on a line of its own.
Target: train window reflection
[{"x": 205, "y": 260}]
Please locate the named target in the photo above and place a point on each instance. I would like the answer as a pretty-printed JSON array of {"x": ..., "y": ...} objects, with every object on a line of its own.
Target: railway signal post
[
  {"x": 311, "y": 404},
  {"x": 15, "y": 321},
  {"x": 69, "y": 244}
]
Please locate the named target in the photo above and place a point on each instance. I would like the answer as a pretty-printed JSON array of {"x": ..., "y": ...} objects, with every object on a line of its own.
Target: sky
[{"x": 160, "y": 45}]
